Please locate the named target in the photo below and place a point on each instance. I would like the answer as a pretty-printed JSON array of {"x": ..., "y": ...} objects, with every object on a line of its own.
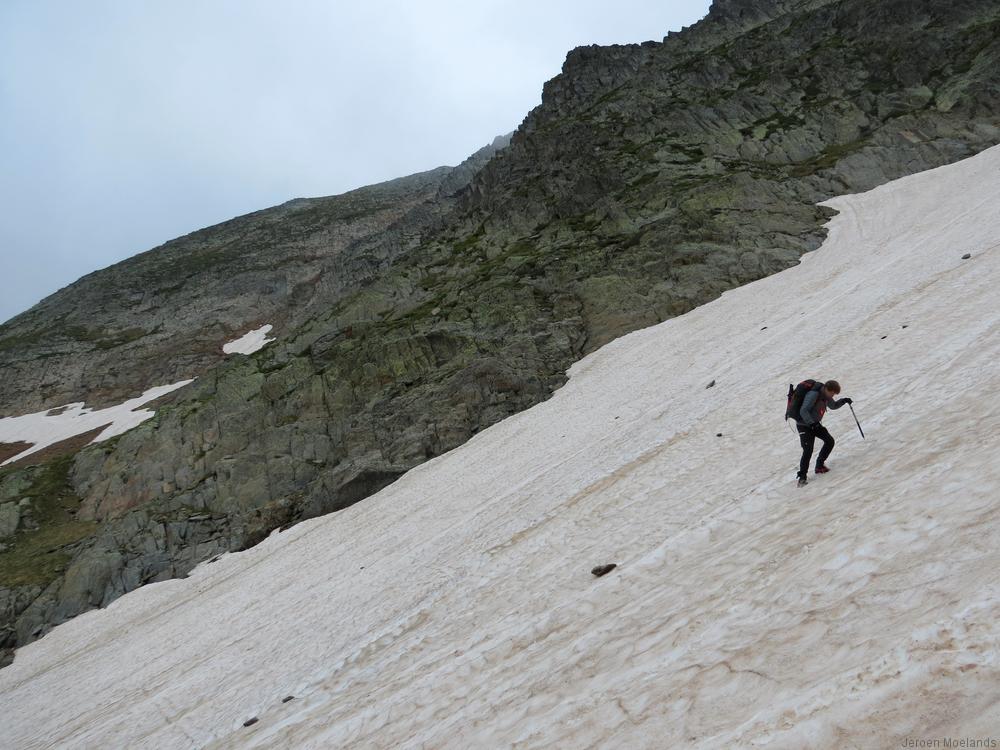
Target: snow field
[{"x": 456, "y": 609}]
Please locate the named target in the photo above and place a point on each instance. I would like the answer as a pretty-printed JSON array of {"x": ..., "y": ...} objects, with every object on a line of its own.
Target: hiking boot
[
  {"x": 821, "y": 470},
  {"x": 803, "y": 481}
]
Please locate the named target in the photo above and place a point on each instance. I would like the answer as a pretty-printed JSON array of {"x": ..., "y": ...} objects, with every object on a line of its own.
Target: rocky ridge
[{"x": 651, "y": 178}]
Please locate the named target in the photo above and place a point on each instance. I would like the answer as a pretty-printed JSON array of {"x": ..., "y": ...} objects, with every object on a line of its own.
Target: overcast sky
[{"x": 126, "y": 123}]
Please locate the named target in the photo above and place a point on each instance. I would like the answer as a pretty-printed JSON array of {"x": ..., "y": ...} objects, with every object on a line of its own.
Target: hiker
[{"x": 815, "y": 396}]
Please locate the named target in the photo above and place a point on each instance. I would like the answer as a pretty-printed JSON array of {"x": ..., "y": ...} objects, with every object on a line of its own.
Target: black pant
[{"x": 807, "y": 436}]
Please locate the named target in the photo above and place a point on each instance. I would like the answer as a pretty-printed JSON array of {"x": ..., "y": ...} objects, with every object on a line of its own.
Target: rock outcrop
[{"x": 651, "y": 178}]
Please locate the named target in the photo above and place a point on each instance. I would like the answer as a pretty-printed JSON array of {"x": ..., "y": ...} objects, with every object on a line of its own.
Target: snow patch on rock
[
  {"x": 45, "y": 428},
  {"x": 250, "y": 342}
]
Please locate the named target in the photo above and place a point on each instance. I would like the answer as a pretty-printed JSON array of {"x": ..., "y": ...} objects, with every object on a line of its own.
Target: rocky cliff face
[{"x": 651, "y": 178}]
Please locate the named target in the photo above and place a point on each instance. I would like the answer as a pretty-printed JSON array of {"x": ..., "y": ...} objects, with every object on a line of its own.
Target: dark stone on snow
[
  {"x": 966, "y": 256},
  {"x": 601, "y": 570},
  {"x": 710, "y": 385},
  {"x": 251, "y": 722},
  {"x": 288, "y": 698}
]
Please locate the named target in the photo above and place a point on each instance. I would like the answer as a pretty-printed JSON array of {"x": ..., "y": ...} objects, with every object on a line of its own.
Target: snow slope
[{"x": 456, "y": 609}]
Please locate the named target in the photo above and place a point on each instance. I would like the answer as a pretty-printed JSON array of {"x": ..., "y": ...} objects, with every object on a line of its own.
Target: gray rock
[
  {"x": 10, "y": 516},
  {"x": 602, "y": 570}
]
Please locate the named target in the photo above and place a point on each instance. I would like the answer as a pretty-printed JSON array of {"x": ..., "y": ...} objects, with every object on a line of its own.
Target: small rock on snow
[{"x": 601, "y": 570}]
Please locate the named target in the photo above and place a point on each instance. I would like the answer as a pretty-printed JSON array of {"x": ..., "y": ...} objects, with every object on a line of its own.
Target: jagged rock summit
[{"x": 411, "y": 316}]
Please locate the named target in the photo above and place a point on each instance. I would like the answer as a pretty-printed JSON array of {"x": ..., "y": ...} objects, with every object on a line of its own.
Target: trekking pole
[{"x": 856, "y": 421}]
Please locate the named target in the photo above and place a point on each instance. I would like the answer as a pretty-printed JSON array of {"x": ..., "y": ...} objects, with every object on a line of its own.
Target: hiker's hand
[{"x": 847, "y": 400}]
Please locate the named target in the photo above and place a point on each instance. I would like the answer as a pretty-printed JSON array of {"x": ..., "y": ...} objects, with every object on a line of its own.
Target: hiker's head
[{"x": 832, "y": 387}]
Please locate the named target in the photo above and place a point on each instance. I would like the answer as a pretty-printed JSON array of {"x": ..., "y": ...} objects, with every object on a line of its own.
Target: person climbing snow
[{"x": 807, "y": 403}]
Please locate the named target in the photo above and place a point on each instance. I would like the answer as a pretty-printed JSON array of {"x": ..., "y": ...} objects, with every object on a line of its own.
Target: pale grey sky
[{"x": 126, "y": 124}]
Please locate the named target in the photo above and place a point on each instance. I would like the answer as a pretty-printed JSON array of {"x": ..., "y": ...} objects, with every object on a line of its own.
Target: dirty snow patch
[
  {"x": 250, "y": 342},
  {"x": 51, "y": 426}
]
